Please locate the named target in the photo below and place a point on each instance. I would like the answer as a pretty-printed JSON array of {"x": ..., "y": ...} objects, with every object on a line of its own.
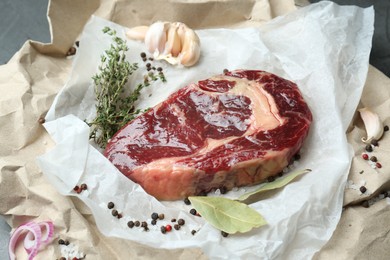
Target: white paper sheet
[{"x": 324, "y": 48}]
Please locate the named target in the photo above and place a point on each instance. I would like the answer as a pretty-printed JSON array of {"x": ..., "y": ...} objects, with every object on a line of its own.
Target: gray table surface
[{"x": 21, "y": 20}]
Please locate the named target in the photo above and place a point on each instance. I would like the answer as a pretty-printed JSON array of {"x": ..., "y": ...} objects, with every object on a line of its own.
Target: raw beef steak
[{"x": 227, "y": 131}]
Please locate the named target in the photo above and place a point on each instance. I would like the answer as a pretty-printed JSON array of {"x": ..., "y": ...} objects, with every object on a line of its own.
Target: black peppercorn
[
  {"x": 144, "y": 59},
  {"x": 77, "y": 43},
  {"x": 225, "y": 71},
  {"x": 159, "y": 69},
  {"x": 143, "y": 55},
  {"x": 62, "y": 258},
  {"x": 114, "y": 212},
  {"x": 137, "y": 223},
  {"x": 187, "y": 201},
  {"x": 144, "y": 224},
  {"x": 84, "y": 186},
  {"x": 369, "y": 148},
  {"x": 385, "y": 194},
  {"x": 224, "y": 234},
  {"x": 363, "y": 189},
  {"x": 173, "y": 220},
  {"x": 386, "y": 128},
  {"x": 110, "y": 205},
  {"x": 181, "y": 222},
  {"x": 154, "y": 216},
  {"x": 61, "y": 241},
  {"x": 66, "y": 242},
  {"x": 148, "y": 65},
  {"x": 119, "y": 215},
  {"x": 161, "y": 216},
  {"x": 223, "y": 190},
  {"x": 297, "y": 157},
  {"x": 193, "y": 232},
  {"x": 176, "y": 226},
  {"x": 374, "y": 142},
  {"x": 153, "y": 222},
  {"x": 365, "y": 204},
  {"x": 373, "y": 159},
  {"x": 163, "y": 230},
  {"x": 271, "y": 178},
  {"x": 193, "y": 212},
  {"x": 41, "y": 120},
  {"x": 130, "y": 224}
]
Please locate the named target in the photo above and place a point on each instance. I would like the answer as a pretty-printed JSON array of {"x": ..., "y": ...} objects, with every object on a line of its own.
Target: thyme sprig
[{"x": 113, "y": 108}]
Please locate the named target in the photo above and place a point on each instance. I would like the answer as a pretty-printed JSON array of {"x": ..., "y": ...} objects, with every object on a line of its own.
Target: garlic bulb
[
  {"x": 372, "y": 123},
  {"x": 173, "y": 42}
]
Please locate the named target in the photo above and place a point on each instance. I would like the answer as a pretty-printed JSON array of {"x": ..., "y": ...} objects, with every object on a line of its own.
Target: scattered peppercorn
[
  {"x": 386, "y": 128},
  {"x": 161, "y": 216},
  {"x": 181, "y": 222},
  {"x": 202, "y": 193},
  {"x": 385, "y": 194},
  {"x": 84, "y": 186},
  {"x": 119, "y": 215},
  {"x": 75, "y": 258},
  {"x": 153, "y": 68},
  {"x": 223, "y": 190},
  {"x": 154, "y": 216},
  {"x": 193, "y": 232},
  {"x": 365, "y": 156},
  {"x": 110, "y": 205},
  {"x": 373, "y": 159},
  {"x": 143, "y": 55},
  {"x": 163, "y": 230},
  {"x": 146, "y": 228},
  {"x": 159, "y": 69},
  {"x": 150, "y": 58},
  {"x": 66, "y": 242},
  {"x": 361, "y": 172},
  {"x": 168, "y": 228},
  {"x": 378, "y": 165},
  {"x": 76, "y": 188},
  {"x": 187, "y": 201},
  {"x": 374, "y": 142},
  {"x": 41, "y": 120},
  {"x": 173, "y": 220},
  {"x": 144, "y": 59},
  {"x": 363, "y": 189},
  {"x": 148, "y": 65},
  {"x": 271, "y": 178},
  {"x": 71, "y": 51},
  {"x": 153, "y": 222},
  {"x": 176, "y": 226},
  {"x": 297, "y": 157},
  {"x": 225, "y": 71},
  {"x": 61, "y": 241},
  {"x": 365, "y": 204},
  {"x": 130, "y": 224},
  {"x": 224, "y": 234},
  {"x": 137, "y": 223},
  {"x": 114, "y": 212},
  {"x": 148, "y": 68},
  {"x": 193, "y": 212},
  {"x": 63, "y": 258},
  {"x": 144, "y": 224},
  {"x": 77, "y": 43},
  {"x": 369, "y": 148}
]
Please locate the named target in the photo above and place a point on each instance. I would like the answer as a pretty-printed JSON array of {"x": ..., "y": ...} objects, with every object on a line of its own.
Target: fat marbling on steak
[{"x": 227, "y": 131}]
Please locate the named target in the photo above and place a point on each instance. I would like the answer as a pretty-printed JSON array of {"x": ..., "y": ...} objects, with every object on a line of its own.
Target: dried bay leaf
[
  {"x": 227, "y": 215},
  {"x": 278, "y": 183}
]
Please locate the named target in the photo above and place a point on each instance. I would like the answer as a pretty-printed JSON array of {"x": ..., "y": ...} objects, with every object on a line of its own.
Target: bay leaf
[
  {"x": 278, "y": 183},
  {"x": 227, "y": 215}
]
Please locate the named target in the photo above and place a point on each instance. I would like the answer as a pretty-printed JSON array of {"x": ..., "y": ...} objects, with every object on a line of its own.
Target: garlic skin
[
  {"x": 175, "y": 42},
  {"x": 372, "y": 123}
]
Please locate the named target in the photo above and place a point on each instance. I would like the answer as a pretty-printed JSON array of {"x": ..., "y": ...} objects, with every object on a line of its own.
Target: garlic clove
[
  {"x": 156, "y": 37},
  {"x": 137, "y": 33},
  {"x": 190, "y": 52},
  {"x": 173, "y": 44},
  {"x": 372, "y": 123}
]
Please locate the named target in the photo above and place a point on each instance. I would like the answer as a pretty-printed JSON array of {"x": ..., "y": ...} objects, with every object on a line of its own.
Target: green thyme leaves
[{"x": 227, "y": 215}]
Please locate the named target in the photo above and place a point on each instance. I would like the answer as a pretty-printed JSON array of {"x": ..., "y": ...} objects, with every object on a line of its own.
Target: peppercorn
[
  {"x": 114, "y": 212},
  {"x": 144, "y": 224},
  {"x": 163, "y": 230},
  {"x": 146, "y": 228},
  {"x": 176, "y": 226},
  {"x": 378, "y": 165},
  {"x": 76, "y": 188},
  {"x": 223, "y": 190},
  {"x": 187, "y": 201},
  {"x": 365, "y": 204},
  {"x": 41, "y": 120},
  {"x": 159, "y": 69},
  {"x": 84, "y": 186},
  {"x": 193, "y": 232},
  {"x": 168, "y": 228},
  {"x": 137, "y": 223},
  {"x": 153, "y": 222},
  {"x": 224, "y": 234},
  {"x": 385, "y": 194},
  {"x": 148, "y": 65},
  {"x": 148, "y": 68},
  {"x": 153, "y": 68},
  {"x": 365, "y": 156},
  {"x": 225, "y": 71},
  {"x": 193, "y": 212},
  {"x": 63, "y": 258},
  {"x": 161, "y": 216},
  {"x": 181, "y": 222},
  {"x": 77, "y": 43},
  {"x": 173, "y": 220},
  {"x": 66, "y": 242},
  {"x": 110, "y": 205},
  {"x": 374, "y": 142},
  {"x": 75, "y": 258},
  {"x": 373, "y": 159},
  {"x": 363, "y": 189},
  {"x": 71, "y": 51},
  {"x": 280, "y": 174},
  {"x": 150, "y": 58},
  {"x": 297, "y": 157},
  {"x": 130, "y": 224},
  {"x": 144, "y": 59},
  {"x": 271, "y": 178},
  {"x": 386, "y": 128},
  {"x": 61, "y": 241},
  {"x": 143, "y": 55},
  {"x": 154, "y": 215},
  {"x": 119, "y": 215},
  {"x": 369, "y": 148}
]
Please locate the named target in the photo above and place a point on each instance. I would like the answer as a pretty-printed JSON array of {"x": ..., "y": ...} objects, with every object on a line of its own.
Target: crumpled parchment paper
[{"x": 324, "y": 48}]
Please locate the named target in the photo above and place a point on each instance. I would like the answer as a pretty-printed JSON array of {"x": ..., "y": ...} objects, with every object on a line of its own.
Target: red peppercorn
[
  {"x": 365, "y": 156},
  {"x": 378, "y": 165},
  {"x": 168, "y": 228},
  {"x": 76, "y": 188}
]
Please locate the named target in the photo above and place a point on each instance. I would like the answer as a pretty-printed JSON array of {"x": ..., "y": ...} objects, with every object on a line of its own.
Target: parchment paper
[
  {"x": 37, "y": 72},
  {"x": 330, "y": 90}
]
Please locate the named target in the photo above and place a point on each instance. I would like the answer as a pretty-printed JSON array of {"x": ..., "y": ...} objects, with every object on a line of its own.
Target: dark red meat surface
[{"x": 228, "y": 131}]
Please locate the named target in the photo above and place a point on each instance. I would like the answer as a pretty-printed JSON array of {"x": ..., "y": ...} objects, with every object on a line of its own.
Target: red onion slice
[{"x": 36, "y": 234}]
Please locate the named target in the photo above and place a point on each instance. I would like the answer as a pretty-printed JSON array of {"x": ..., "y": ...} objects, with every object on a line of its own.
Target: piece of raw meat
[{"x": 227, "y": 131}]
